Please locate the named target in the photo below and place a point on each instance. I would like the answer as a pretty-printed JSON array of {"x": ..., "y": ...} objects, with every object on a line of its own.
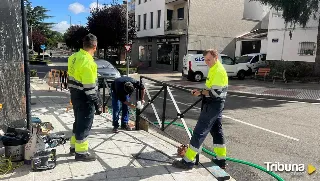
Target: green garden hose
[{"x": 227, "y": 158}]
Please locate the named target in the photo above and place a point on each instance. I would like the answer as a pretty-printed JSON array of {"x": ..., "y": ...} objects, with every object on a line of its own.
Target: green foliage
[
  {"x": 294, "y": 70},
  {"x": 74, "y": 35},
  {"x": 109, "y": 25},
  {"x": 33, "y": 73},
  {"x": 295, "y": 11}
]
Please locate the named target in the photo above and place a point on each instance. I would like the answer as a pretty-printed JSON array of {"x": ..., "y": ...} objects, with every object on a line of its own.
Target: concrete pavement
[{"x": 117, "y": 153}]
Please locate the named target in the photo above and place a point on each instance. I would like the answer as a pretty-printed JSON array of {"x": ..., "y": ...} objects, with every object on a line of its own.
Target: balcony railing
[
  {"x": 175, "y": 1},
  {"x": 176, "y": 26}
]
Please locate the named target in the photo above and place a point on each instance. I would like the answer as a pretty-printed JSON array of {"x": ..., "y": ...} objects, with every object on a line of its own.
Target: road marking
[{"x": 237, "y": 120}]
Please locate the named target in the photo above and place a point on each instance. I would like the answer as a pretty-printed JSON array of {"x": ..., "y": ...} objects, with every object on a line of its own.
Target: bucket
[{"x": 15, "y": 152}]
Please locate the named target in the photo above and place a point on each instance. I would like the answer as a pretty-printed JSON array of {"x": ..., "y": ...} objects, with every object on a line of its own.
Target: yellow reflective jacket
[
  {"x": 82, "y": 76},
  {"x": 217, "y": 81}
]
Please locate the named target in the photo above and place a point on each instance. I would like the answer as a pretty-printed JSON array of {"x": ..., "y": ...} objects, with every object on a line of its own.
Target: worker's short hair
[
  {"x": 89, "y": 41},
  {"x": 213, "y": 52},
  {"x": 128, "y": 87}
]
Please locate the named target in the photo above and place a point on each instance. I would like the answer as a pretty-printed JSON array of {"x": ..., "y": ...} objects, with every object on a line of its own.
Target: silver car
[{"x": 106, "y": 71}]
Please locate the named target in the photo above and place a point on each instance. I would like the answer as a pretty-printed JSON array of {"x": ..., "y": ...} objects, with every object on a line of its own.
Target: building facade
[
  {"x": 286, "y": 43},
  {"x": 169, "y": 29}
]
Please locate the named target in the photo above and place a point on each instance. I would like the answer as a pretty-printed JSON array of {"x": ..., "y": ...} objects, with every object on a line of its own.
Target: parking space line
[{"x": 239, "y": 121}]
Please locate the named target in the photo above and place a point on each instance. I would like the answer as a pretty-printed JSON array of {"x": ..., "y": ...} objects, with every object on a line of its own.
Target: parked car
[
  {"x": 253, "y": 61},
  {"x": 195, "y": 68},
  {"x": 106, "y": 71}
]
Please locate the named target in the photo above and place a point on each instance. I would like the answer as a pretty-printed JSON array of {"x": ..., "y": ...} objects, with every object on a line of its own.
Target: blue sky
[{"x": 61, "y": 9}]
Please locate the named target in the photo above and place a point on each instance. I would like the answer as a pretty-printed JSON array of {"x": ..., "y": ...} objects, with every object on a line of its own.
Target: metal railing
[
  {"x": 176, "y": 25},
  {"x": 166, "y": 88}
]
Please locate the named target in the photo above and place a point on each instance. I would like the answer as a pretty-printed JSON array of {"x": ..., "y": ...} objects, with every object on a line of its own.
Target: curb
[{"x": 273, "y": 97}]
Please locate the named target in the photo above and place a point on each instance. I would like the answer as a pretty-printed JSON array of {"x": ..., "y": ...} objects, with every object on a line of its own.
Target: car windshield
[
  {"x": 244, "y": 59},
  {"x": 103, "y": 64}
]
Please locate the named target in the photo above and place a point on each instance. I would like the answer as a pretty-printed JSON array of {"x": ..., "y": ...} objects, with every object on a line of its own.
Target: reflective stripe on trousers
[
  {"x": 73, "y": 141},
  {"x": 82, "y": 146},
  {"x": 220, "y": 150}
]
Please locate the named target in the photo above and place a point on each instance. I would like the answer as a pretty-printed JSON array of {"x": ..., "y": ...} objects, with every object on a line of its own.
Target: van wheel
[
  {"x": 241, "y": 74},
  {"x": 197, "y": 76}
]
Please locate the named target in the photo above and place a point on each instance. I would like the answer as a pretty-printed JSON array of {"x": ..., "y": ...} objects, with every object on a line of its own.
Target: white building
[
  {"x": 169, "y": 29},
  {"x": 286, "y": 43}
]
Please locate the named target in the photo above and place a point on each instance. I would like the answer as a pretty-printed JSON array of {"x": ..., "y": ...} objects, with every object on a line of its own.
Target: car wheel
[
  {"x": 241, "y": 74},
  {"x": 198, "y": 76}
]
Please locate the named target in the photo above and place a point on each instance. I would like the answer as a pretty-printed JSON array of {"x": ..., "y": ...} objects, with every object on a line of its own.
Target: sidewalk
[
  {"x": 116, "y": 152},
  {"x": 308, "y": 92}
]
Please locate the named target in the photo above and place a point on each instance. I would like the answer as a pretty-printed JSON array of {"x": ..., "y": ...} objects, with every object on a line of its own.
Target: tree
[
  {"x": 53, "y": 38},
  {"x": 299, "y": 12},
  {"x": 74, "y": 35},
  {"x": 109, "y": 25},
  {"x": 38, "y": 39}
]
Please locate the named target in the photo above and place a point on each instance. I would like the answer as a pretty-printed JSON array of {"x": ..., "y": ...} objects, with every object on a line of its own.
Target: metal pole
[
  {"x": 31, "y": 38},
  {"x": 127, "y": 39},
  {"x": 97, "y": 5},
  {"x": 103, "y": 95},
  {"x": 164, "y": 106},
  {"x": 26, "y": 65}
]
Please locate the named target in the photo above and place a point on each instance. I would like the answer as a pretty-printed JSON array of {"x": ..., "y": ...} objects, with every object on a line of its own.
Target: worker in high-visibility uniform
[
  {"x": 82, "y": 83},
  {"x": 211, "y": 115}
]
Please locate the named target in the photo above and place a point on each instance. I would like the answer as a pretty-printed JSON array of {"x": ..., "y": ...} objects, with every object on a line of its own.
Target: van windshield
[{"x": 244, "y": 59}]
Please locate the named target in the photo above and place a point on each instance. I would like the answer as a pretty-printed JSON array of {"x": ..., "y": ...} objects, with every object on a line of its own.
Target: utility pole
[
  {"x": 97, "y": 5},
  {"x": 127, "y": 39},
  {"x": 70, "y": 19}
]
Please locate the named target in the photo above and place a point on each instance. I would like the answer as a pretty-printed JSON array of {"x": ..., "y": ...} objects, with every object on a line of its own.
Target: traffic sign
[
  {"x": 128, "y": 47},
  {"x": 43, "y": 47}
]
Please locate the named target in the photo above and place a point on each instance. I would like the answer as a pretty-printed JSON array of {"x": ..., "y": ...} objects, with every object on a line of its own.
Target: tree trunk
[{"x": 317, "y": 60}]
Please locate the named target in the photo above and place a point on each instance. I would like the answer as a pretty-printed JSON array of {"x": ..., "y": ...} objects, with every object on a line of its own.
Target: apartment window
[
  {"x": 180, "y": 12},
  {"x": 139, "y": 22},
  {"x": 151, "y": 20},
  {"x": 159, "y": 19},
  {"x": 307, "y": 48},
  {"x": 145, "y": 1},
  {"x": 145, "y": 21},
  {"x": 139, "y": 2}
]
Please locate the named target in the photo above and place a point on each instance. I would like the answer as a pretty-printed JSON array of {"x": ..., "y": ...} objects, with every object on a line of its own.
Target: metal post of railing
[
  {"x": 103, "y": 95},
  {"x": 137, "y": 110},
  {"x": 164, "y": 106}
]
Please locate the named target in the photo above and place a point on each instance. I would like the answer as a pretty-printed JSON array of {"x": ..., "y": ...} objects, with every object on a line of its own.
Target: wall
[
  {"x": 254, "y": 10},
  {"x": 147, "y": 7},
  {"x": 11, "y": 66},
  {"x": 216, "y": 23},
  {"x": 285, "y": 48}
]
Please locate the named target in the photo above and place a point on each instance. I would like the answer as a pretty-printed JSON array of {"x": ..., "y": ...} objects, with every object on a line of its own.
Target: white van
[
  {"x": 195, "y": 68},
  {"x": 254, "y": 61}
]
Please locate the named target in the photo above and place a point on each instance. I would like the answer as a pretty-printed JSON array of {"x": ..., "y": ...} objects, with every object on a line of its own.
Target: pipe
[{"x": 26, "y": 65}]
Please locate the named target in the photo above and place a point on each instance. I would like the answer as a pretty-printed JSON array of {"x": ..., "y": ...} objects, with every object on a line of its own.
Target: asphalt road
[{"x": 257, "y": 130}]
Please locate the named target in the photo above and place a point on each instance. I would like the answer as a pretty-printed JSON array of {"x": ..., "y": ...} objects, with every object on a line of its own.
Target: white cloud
[
  {"x": 93, "y": 6},
  {"x": 77, "y": 8},
  {"x": 61, "y": 27}
]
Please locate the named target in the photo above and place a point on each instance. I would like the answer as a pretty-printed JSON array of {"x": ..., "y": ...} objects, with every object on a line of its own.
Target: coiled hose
[{"x": 227, "y": 158}]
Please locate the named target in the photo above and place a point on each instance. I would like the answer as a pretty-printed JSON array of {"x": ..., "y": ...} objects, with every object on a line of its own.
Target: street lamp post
[{"x": 70, "y": 19}]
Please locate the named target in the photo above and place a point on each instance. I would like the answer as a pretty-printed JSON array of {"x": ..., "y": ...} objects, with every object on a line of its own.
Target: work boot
[
  {"x": 115, "y": 130},
  {"x": 221, "y": 163},
  {"x": 85, "y": 157},
  {"x": 72, "y": 151},
  {"x": 182, "y": 164},
  {"x": 126, "y": 127}
]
